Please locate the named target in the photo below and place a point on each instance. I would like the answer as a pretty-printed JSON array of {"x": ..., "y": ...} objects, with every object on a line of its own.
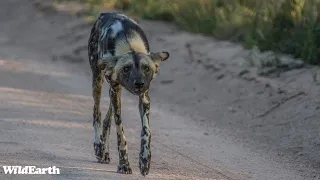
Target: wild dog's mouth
[{"x": 136, "y": 91}]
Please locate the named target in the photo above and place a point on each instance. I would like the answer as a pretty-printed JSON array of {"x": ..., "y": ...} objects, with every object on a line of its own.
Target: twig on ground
[{"x": 280, "y": 103}]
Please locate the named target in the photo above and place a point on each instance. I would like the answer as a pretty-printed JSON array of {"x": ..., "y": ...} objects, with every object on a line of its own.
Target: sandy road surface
[{"x": 207, "y": 121}]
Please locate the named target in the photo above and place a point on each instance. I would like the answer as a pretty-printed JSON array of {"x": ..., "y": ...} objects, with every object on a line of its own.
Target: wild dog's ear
[
  {"x": 159, "y": 56},
  {"x": 107, "y": 62}
]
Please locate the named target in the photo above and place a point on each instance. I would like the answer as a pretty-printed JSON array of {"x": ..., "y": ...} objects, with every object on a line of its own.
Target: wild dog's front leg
[
  {"x": 115, "y": 96},
  {"x": 145, "y": 151}
]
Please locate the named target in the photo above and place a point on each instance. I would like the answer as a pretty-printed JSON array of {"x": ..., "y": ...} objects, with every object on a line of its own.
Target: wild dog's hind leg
[
  {"x": 105, "y": 158},
  {"x": 115, "y": 97},
  {"x": 96, "y": 93},
  {"x": 145, "y": 151}
]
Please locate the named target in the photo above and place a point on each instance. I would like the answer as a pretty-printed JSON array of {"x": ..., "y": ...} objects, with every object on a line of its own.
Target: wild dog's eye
[
  {"x": 126, "y": 69},
  {"x": 146, "y": 68}
]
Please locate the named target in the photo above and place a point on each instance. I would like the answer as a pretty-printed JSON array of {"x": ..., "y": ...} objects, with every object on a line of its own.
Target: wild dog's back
[{"x": 113, "y": 34}]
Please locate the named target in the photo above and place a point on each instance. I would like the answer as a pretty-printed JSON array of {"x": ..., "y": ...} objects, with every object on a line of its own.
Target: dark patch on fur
[
  {"x": 144, "y": 131},
  {"x": 110, "y": 43},
  {"x": 123, "y": 157},
  {"x": 143, "y": 142},
  {"x": 118, "y": 139},
  {"x": 136, "y": 60}
]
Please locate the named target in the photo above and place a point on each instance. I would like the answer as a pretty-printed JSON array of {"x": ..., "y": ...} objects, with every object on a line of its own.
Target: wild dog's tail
[{"x": 93, "y": 45}]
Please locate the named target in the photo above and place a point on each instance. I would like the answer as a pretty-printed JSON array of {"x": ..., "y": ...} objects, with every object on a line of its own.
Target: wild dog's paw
[
  {"x": 101, "y": 155},
  {"x": 98, "y": 149},
  {"x": 144, "y": 163},
  {"x": 105, "y": 159},
  {"x": 124, "y": 169}
]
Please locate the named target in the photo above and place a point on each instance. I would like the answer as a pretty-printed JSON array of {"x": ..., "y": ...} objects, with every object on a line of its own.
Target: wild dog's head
[{"x": 133, "y": 70}]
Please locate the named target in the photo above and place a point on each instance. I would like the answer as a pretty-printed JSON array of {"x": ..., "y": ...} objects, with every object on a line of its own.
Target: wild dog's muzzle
[{"x": 138, "y": 84}]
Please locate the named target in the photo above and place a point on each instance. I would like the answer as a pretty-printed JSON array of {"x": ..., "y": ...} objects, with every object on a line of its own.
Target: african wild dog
[{"x": 119, "y": 53}]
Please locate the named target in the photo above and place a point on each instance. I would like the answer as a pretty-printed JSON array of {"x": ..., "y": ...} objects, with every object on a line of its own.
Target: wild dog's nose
[{"x": 138, "y": 83}]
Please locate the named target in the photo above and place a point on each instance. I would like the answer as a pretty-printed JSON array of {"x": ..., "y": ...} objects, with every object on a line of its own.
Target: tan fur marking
[{"x": 135, "y": 43}]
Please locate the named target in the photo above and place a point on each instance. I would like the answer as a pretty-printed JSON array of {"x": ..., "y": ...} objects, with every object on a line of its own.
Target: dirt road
[{"x": 211, "y": 116}]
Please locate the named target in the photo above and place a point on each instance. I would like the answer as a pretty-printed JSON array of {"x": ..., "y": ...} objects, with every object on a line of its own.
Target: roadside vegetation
[{"x": 285, "y": 26}]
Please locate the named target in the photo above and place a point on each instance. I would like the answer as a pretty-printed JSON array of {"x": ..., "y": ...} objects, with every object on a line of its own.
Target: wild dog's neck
[{"x": 132, "y": 43}]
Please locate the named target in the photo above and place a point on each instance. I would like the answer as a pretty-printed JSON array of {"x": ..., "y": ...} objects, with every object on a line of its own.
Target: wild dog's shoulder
[{"x": 116, "y": 30}]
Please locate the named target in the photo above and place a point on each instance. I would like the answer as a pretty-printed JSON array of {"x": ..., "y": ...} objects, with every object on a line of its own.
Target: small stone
[
  {"x": 220, "y": 76},
  {"x": 231, "y": 109}
]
